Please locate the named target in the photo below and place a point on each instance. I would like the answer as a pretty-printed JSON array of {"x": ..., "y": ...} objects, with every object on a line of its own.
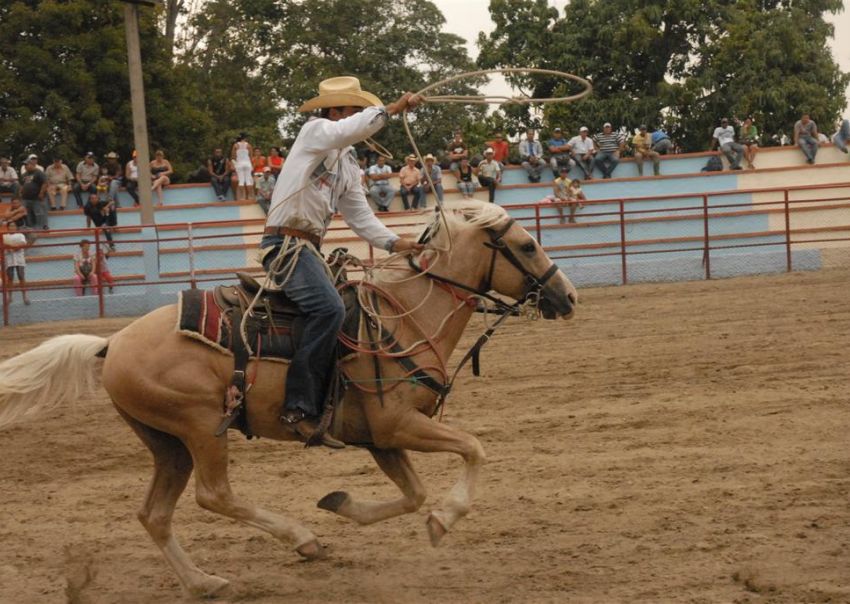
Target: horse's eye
[{"x": 528, "y": 248}]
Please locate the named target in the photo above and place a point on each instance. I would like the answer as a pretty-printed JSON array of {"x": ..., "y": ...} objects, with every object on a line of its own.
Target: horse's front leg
[
  {"x": 396, "y": 465},
  {"x": 418, "y": 432}
]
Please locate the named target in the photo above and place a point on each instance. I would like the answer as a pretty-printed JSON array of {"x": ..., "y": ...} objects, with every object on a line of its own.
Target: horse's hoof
[
  {"x": 333, "y": 501},
  {"x": 210, "y": 587},
  {"x": 436, "y": 530},
  {"x": 312, "y": 550}
]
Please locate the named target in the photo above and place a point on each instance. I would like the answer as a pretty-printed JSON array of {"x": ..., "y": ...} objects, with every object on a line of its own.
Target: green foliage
[{"x": 682, "y": 64}]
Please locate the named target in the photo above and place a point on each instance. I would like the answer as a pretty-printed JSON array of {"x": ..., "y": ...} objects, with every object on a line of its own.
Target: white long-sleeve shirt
[{"x": 321, "y": 176}]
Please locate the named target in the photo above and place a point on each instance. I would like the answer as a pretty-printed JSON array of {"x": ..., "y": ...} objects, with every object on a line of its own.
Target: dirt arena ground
[{"x": 675, "y": 443}]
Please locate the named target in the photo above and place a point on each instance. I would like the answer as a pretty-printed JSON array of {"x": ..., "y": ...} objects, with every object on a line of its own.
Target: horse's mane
[{"x": 467, "y": 213}]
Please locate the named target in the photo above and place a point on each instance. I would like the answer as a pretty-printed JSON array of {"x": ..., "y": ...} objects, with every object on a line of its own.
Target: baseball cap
[
  {"x": 267, "y": 169},
  {"x": 32, "y": 156},
  {"x": 607, "y": 125},
  {"x": 89, "y": 154},
  {"x": 642, "y": 127},
  {"x": 488, "y": 150},
  {"x": 564, "y": 170},
  {"x": 557, "y": 130},
  {"x": 583, "y": 129}
]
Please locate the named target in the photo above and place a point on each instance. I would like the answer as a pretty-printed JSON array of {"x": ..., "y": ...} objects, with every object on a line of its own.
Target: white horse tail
[{"x": 62, "y": 369}]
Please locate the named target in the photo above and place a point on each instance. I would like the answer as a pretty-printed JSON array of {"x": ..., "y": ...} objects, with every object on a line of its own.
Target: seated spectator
[
  {"x": 86, "y": 175},
  {"x": 582, "y": 151},
  {"x": 112, "y": 168},
  {"x": 31, "y": 157},
  {"x": 16, "y": 213},
  {"x": 749, "y": 137},
  {"x": 85, "y": 269},
  {"x": 219, "y": 168},
  {"x": 501, "y": 148},
  {"x": 806, "y": 137},
  {"x": 59, "y": 182},
  {"x": 14, "y": 243},
  {"x": 559, "y": 153},
  {"x": 457, "y": 150},
  {"x": 531, "y": 154},
  {"x": 100, "y": 209},
  {"x": 131, "y": 178},
  {"x": 265, "y": 188},
  {"x": 842, "y": 135},
  {"x": 436, "y": 173},
  {"x": 380, "y": 190},
  {"x": 409, "y": 178},
  {"x": 609, "y": 144},
  {"x": 642, "y": 143},
  {"x": 161, "y": 172},
  {"x": 275, "y": 161},
  {"x": 106, "y": 277},
  {"x": 8, "y": 178},
  {"x": 33, "y": 189},
  {"x": 465, "y": 182},
  {"x": 489, "y": 173},
  {"x": 258, "y": 162},
  {"x": 724, "y": 137},
  {"x": 561, "y": 193},
  {"x": 661, "y": 143}
]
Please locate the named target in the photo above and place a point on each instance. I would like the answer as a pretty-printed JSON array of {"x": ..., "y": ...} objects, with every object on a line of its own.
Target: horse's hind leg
[
  {"x": 213, "y": 493},
  {"x": 396, "y": 465},
  {"x": 172, "y": 468}
]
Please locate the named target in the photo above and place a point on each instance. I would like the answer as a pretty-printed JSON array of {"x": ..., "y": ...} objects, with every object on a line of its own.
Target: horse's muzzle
[{"x": 556, "y": 305}]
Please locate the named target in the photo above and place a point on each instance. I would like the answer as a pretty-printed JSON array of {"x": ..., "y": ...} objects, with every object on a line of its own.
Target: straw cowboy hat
[{"x": 343, "y": 91}]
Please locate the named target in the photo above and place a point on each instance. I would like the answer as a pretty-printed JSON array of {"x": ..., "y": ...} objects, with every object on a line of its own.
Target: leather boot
[{"x": 305, "y": 427}]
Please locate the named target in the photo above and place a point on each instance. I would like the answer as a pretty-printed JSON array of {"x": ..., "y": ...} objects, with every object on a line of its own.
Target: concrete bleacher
[{"x": 663, "y": 225}]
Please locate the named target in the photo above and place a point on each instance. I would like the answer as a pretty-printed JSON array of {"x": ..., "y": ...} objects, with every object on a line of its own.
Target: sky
[{"x": 468, "y": 17}]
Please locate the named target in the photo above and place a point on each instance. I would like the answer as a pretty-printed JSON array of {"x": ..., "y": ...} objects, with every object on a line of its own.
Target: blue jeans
[
  {"x": 606, "y": 161},
  {"x": 310, "y": 370},
  {"x": 734, "y": 152},
  {"x": 842, "y": 136},
  {"x": 418, "y": 196},
  {"x": 438, "y": 193},
  {"x": 36, "y": 213},
  {"x": 809, "y": 145}
]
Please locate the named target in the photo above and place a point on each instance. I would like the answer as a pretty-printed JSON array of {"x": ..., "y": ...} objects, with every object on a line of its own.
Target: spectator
[
  {"x": 115, "y": 172},
  {"x": 841, "y": 137},
  {"x": 724, "y": 136},
  {"x": 559, "y": 153},
  {"x": 806, "y": 137},
  {"x": 457, "y": 150},
  {"x": 8, "y": 178},
  {"x": 381, "y": 190},
  {"x": 33, "y": 188},
  {"x": 465, "y": 182},
  {"x": 100, "y": 209},
  {"x": 240, "y": 154},
  {"x": 531, "y": 154},
  {"x": 265, "y": 187},
  {"x": 661, "y": 143},
  {"x": 501, "y": 148},
  {"x": 409, "y": 178},
  {"x": 609, "y": 144},
  {"x": 436, "y": 174},
  {"x": 103, "y": 265},
  {"x": 364, "y": 181},
  {"x": 219, "y": 168},
  {"x": 85, "y": 269},
  {"x": 131, "y": 178},
  {"x": 490, "y": 172},
  {"x": 749, "y": 137},
  {"x": 59, "y": 182},
  {"x": 161, "y": 172},
  {"x": 561, "y": 194},
  {"x": 14, "y": 243},
  {"x": 258, "y": 162},
  {"x": 642, "y": 143},
  {"x": 87, "y": 174},
  {"x": 31, "y": 157},
  {"x": 275, "y": 161},
  {"x": 582, "y": 151},
  {"x": 16, "y": 213}
]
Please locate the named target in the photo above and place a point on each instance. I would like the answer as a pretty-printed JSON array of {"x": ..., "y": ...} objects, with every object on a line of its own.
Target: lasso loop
[{"x": 488, "y": 100}]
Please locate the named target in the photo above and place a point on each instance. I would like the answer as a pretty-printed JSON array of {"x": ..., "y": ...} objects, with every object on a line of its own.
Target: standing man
[
  {"x": 609, "y": 145},
  {"x": 724, "y": 137},
  {"x": 320, "y": 177},
  {"x": 531, "y": 153},
  {"x": 582, "y": 151},
  {"x": 219, "y": 168},
  {"x": 87, "y": 174},
  {"x": 33, "y": 189},
  {"x": 806, "y": 137},
  {"x": 642, "y": 143}
]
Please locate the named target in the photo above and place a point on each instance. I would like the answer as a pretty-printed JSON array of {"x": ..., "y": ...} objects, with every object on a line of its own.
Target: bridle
[{"x": 533, "y": 285}]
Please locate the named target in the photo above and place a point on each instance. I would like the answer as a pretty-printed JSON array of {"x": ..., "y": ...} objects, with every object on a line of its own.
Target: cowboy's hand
[
  {"x": 404, "y": 245},
  {"x": 406, "y": 101}
]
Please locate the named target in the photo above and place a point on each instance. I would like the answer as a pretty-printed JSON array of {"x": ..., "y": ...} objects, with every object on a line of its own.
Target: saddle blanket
[{"x": 201, "y": 318}]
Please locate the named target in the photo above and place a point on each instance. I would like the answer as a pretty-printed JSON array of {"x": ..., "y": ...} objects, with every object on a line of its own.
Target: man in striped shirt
[{"x": 609, "y": 144}]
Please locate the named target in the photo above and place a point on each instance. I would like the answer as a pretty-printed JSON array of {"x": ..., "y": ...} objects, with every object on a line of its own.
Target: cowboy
[{"x": 320, "y": 177}]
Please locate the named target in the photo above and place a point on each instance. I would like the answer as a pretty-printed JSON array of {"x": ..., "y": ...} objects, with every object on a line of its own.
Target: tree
[{"x": 681, "y": 63}]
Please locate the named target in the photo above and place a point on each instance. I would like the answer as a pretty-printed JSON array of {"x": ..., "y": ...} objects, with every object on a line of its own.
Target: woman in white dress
[{"x": 241, "y": 154}]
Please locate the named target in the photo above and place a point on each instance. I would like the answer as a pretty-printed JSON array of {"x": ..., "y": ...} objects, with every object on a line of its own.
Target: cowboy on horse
[{"x": 321, "y": 176}]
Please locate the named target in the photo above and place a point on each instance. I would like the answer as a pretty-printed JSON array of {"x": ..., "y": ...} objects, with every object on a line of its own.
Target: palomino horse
[{"x": 169, "y": 388}]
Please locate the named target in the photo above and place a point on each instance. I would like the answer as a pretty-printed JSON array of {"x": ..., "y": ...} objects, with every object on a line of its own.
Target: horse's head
[{"x": 504, "y": 258}]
